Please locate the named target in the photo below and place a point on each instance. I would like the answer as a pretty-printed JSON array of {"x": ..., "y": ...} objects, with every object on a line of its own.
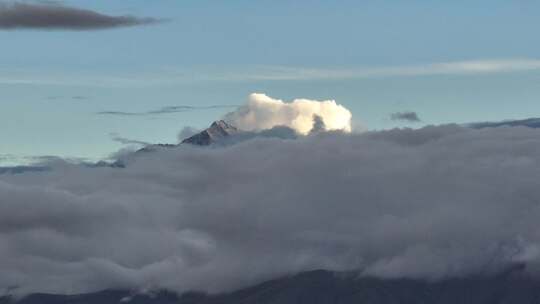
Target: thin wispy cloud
[
  {"x": 10, "y": 160},
  {"x": 431, "y": 69},
  {"x": 177, "y": 76},
  {"x": 6, "y": 157},
  {"x": 127, "y": 141},
  {"x": 165, "y": 110},
  {"x": 75, "y": 97},
  {"x": 56, "y": 16}
]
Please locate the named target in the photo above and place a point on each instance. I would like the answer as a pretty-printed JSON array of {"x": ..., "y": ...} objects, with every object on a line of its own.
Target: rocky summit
[{"x": 218, "y": 130}]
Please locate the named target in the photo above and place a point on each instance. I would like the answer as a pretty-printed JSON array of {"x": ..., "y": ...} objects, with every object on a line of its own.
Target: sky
[
  {"x": 451, "y": 61},
  {"x": 301, "y": 185}
]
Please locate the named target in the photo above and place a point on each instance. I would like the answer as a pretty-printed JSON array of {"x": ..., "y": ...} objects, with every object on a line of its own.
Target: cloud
[
  {"x": 263, "y": 112},
  {"x": 55, "y": 16},
  {"x": 8, "y": 160},
  {"x": 127, "y": 141},
  {"x": 405, "y": 116},
  {"x": 529, "y": 122},
  {"x": 6, "y": 157},
  {"x": 165, "y": 110},
  {"x": 186, "y": 132},
  {"x": 318, "y": 124},
  {"x": 75, "y": 97},
  {"x": 466, "y": 67},
  {"x": 194, "y": 75},
  {"x": 435, "y": 202}
]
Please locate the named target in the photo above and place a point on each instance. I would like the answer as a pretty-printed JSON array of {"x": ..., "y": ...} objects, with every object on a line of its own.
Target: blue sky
[{"x": 449, "y": 61}]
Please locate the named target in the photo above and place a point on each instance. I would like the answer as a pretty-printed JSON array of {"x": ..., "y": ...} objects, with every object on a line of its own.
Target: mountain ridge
[{"x": 513, "y": 286}]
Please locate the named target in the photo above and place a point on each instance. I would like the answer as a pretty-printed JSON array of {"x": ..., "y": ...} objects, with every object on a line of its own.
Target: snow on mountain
[{"x": 218, "y": 130}]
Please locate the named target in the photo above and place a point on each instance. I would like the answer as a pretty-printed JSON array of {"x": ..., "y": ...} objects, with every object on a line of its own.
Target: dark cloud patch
[
  {"x": 318, "y": 124},
  {"x": 55, "y": 16},
  {"x": 529, "y": 122},
  {"x": 166, "y": 110},
  {"x": 408, "y": 116}
]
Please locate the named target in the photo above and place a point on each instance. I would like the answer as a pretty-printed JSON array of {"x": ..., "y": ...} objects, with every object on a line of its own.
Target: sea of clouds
[{"x": 428, "y": 203}]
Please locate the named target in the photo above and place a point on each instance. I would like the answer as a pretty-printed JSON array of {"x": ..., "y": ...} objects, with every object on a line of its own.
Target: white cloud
[{"x": 263, "y": 112}]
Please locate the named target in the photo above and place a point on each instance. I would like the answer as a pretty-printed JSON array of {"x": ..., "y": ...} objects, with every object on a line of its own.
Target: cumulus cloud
[
  {"x": 428, "y": 203},
  {"x": 264, "y": 112},
  {"x": 408, "y": 116},
  {"x": 51, "y": 16}
]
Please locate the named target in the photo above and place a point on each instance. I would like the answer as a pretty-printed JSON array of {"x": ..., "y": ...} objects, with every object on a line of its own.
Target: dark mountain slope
[
  {"x": 323, "y": 287},
  {"x": 218, "y": 130}
]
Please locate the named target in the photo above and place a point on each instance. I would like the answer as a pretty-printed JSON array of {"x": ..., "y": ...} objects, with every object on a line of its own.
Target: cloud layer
[
  {"x": 434, "y": 202},
  {"x": 22, "y": 15},
  {"x": 263, "y": 112}
]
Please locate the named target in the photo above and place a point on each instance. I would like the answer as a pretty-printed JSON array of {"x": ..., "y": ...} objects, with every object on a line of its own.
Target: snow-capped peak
[{"x": 219, "y": 129}]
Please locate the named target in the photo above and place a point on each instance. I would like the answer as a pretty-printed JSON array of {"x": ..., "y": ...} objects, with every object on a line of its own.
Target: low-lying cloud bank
[
  {"x": 53, "y": 16},
  {"x": 263, "y": 112},
  {"x": 428, "y": 203}
]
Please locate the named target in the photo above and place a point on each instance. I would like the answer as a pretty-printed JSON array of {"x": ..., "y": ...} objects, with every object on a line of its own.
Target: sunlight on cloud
[{"x": 264, "y": 112}]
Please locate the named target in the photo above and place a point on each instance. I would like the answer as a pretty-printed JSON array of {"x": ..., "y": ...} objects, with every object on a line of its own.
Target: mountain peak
[
  {"x": 221, "y": 127},
  {"x": 217, "y": 130}
]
